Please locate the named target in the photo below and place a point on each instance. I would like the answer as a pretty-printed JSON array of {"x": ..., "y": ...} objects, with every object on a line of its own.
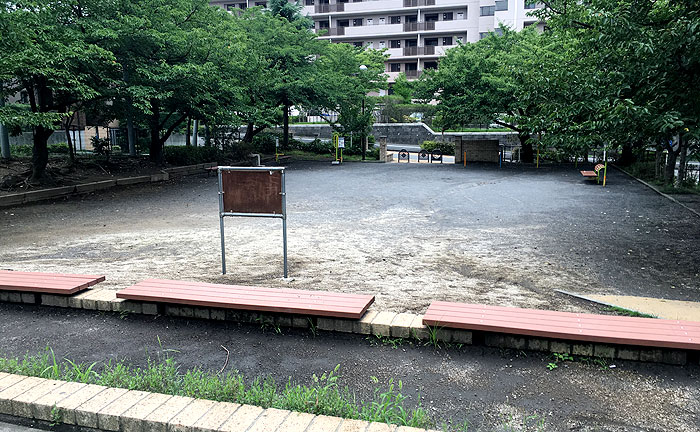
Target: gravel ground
[
  {"x": 408, "y": 233},
  {"x": 492, "y": 389}
]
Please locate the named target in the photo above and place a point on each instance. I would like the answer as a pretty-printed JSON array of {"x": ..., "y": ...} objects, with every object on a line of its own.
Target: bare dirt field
[{"x": 407, "y": 233}]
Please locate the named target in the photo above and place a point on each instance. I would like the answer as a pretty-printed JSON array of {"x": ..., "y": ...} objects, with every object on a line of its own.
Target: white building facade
[{"x": 415, "y": 33}]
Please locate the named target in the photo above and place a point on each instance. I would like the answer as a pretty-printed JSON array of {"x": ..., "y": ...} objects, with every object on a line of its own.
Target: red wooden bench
[
  {"x": 316, "y": 303},
  {"x": 47, "y": 283},
  {"x": 593, "y": 174},
  {"x": 566, "y": 325}
]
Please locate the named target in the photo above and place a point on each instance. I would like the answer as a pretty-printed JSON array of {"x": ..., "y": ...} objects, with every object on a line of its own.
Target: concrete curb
[
  {"x": 382, "y": 324},
  {"x": 52, "y": 193},
  {"x": 657, "y": 190},
  {"x": 116, "y": 409}
]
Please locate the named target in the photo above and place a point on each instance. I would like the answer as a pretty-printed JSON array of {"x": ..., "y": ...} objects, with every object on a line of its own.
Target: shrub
[
  {"x": 185, "y": 155},
  {"x": 264, "y": 142},
  {"x": 447, "y": 148},
  {"x": 100, "y": 146},
  {"x": 60, "y": 148}
]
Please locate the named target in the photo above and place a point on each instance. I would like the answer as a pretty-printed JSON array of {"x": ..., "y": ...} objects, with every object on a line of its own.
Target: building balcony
[
  {"x": 328, "y": 8},
  {"x": 413, "y": 74},
  {"x": 418, "y": 26},
  {"x": 418, "y": 51},
  {"x": 368, "y": 30},
  {"x": 333, "y": 31},
  {"x": 362, "y": 8},
  {"x": 416, "y": 3}
]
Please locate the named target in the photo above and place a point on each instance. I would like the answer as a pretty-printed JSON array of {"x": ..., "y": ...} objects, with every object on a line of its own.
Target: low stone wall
[{"x": 52, "y": 193}]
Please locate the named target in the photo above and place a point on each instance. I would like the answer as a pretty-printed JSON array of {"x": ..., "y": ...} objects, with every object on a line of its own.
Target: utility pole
[{"x": 4, "y": 138}]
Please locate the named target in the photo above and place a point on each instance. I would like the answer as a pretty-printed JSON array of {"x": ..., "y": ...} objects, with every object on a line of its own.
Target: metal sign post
[{"x": 252, "y": 192}]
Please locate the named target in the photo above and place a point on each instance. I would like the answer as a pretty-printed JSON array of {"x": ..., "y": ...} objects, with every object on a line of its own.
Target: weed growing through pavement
[
  {"x": 313, "y": 327},
  {"x": 628, "y": 312},
  {"x": 56, "y": 416},
  {"x": 163, "y": 375},
  {"x": 558, "y": 358}
]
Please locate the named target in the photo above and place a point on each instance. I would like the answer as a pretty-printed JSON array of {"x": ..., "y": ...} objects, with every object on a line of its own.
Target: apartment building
[{"x": 415, "y": 33}]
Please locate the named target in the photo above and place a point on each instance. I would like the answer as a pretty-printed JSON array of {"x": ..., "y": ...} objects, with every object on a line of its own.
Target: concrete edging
[
  {"x": 122, "y": 410},
  {"x": 52, "y": 193},
  {"x": 378, "y": 323}
]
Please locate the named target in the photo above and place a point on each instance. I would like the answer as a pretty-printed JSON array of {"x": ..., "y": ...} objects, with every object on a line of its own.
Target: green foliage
[
  {"x": 403, "y": 88},
  {"x": 188, "y": 155},
  {"x": 447, "y": 148},
  {"x": 101, "y": 146}
]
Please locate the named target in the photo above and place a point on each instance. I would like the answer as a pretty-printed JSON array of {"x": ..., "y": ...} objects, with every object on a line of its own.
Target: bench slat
[
  {"x": 317, "y": 303},
  {"x": 48, "y": 283},
  {"x": 566, "y": 325}
]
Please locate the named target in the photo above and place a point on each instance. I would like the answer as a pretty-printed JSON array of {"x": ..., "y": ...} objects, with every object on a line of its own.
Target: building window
[
  {"x": 431, "y": 17},
  {"x": 309, "y": 2},
  {"x": 395, "y": 43},
  {"x": 460, "y": 39},
  {"x": 483, "y": 35},
  {"x": 447, "y": 40},
  {"x": 357, "y": 44},
  {"x": 460, "y": 15},
  {"x": 370, "y": 21},
  {"x": 447, "y": 16},
  {"x": 431, "y": 42},
  {"x": 343, "y": 23},
  {"x": 394, "y": 67},
  {"x": 395, "y": 20},
  {"x": 502, "y": 5},
  {"x": 488, "y": 10},
  {"x": 430, "y": 65},
  {"x": 411, "y": 18},
  {"x": 357, "y": 22},
  {"x": 323, "y": 24},
  {"x": 529, "y": 4},
  {"x": 382, "y": 44},
  {"x": 498, "y": 31},
  {"x": 263, "y": 4},
  {"x": 382, "y": 21}
]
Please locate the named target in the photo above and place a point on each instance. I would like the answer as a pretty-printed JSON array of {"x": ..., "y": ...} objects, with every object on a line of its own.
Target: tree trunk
[
  {"x": 69, "y": 141},
  {"x": 40, "y": 153},
  {"x": 156, "y": 149},
  {"x": 285, "y": 126},
  {"x": 526, "y": 154},
  {"x": 670, "y": 169},
  {"x": 189, "y": 131},
  {"x": 627, "y": 156},
  {"x": 683, "y": 153},
  {"x": 207, "y": 135},
  {"x": 659, "y": 162}
]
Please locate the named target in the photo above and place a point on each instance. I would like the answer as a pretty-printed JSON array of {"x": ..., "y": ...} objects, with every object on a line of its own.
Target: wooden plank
[
  {"x": 48, "y": 283},
  {"x": 252, "y": 191},
  {"x": 317, "y": 303},
  {"x": 566, "y": 325},
  {"x": 589, "y": 174}
]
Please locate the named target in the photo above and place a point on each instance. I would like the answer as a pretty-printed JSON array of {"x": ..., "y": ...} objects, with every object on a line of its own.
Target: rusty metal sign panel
[{"x": 252, "y": 191}]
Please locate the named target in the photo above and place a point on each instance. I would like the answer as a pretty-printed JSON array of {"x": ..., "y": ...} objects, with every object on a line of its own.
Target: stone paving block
[
  {"x": 381, "y": 427},
  {"x": 68, "y": 405},
  {"x": 4, "y": 375},
  {"x": 300, "y": 322},
  {"x": 22, "y": 404},
  {"x": 94, "y": 186},
  {"x": 651, "y": 355},
  {"x": 104, "y": 299},
  {"x": 514, "y": 342},
  {"x": 674, "y": 357},
  {"x": 133, "y": 180},
  {"x": 537, "y": 344},
  {"x": 179, "y": 311},
  {"x": 344, "y": 325},
  {"x": 560, "y": 347},
  {"x": 624, "y": 353},
  {"x": 86, "y": 413},
  {"x": 363, "y": 326},
  {"x": 215, "y": 417},
  {"x": 54, "y": 300},
  {"x": 185, "y": 419},
  {"x": 12, "y": 199},
  {"x": 493, "y": 340},
  {"x": 149, "y": 309},
  {"x": 76, "y": 300},
  {"x": 269, "y": 420},
  {"x": 353, "y": 426},
  {"x": 15, "y": 390},
  {"x": 602, "y": 350},
  {"x": 462, "y": 336},
  {"x": 126, "y": 306},
  {"x": 86, "y": 300},
  {"x": 444, "y": 335},
  {"x": 160, "y": 177},
  {"x": 241, "y": 419},
  {"x": 408, "y": 429},
  {"x": 326, "y": 324},
  {"x": 48, "y": 193},
  {"x": 158, "y": 419},
  {"x": 201, "y": 313},
  {"x": 42, "y": 407},
  {"x": 418, "y": 329},
  {"x": 133, "y": 419},
  {"x": 582, "y": 349},
  {"x": 28, "y": 298},
  {"x": 108, "y": 417},
  {"x": 401, "y": 326},
  {"x": 296, "y": 422},
  {"x": 4, "y": 296},
  {"x": 14, "y": 297},
  {"x": 216, "y": 314},
  {"x": 381, "y": 324},
  {"x": 324, "y": 423}
]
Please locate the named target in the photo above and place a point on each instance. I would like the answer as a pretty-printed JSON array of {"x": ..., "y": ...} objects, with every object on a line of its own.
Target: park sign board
[{"x": 252, "y": 192}]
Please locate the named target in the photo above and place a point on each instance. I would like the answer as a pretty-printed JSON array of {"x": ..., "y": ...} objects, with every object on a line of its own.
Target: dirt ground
[
  {"x": 407, "y": 233},
  {"x": 492, "y": 389}
]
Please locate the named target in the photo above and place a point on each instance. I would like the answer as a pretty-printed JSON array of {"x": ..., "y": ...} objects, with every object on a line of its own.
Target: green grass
[
  {"x": 479, "y": 130},
  {"x": 163, "y": 375},
  {"x": 303, "y": 155},
  {"x": 628, "y": 312}
]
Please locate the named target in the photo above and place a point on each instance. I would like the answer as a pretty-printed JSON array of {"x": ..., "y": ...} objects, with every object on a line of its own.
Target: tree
[
  {"x": 403, "y": 88},
  {"x": 50, "y": 51}
]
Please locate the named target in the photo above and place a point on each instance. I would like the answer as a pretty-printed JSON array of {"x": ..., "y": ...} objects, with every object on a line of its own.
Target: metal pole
[
  {"x": 284, "y": 221},
  {"x": 4, "y": 137},
  {"x": 221, "y": 224}
]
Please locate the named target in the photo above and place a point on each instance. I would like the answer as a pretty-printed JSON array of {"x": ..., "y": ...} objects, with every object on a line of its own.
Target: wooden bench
[
  {"x": 593, "y": 174},
  {"x": 47, "y": 283},
  {"x": 289, "y": 301},
  {"x": 566, "y": 325}
]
